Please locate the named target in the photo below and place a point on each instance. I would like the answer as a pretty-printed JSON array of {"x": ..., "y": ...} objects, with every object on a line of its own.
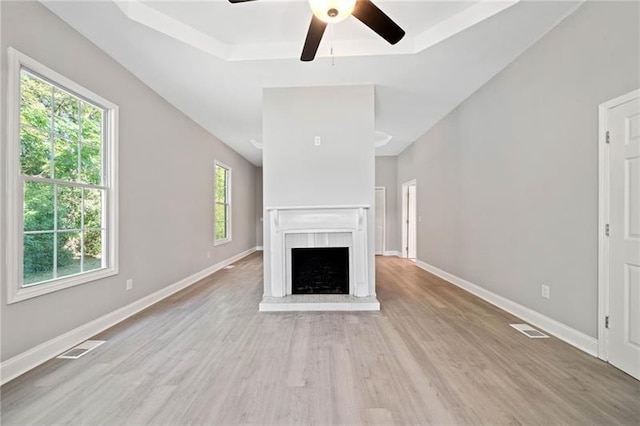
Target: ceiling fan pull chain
[{"x": 333, "y": 58}]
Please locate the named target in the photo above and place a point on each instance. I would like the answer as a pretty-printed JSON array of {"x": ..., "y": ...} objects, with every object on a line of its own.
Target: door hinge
[
  {"x": 607, "y": 138},
  {"x": 606, "y": 321},
  {"x": 606, "y": 229}
]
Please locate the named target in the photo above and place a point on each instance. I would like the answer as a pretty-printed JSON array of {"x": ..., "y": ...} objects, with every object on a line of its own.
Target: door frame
[
  {"x": 405, "y": 216},
  {"x": 604, "y": 253},
  {"x": 384, "y": 218}
]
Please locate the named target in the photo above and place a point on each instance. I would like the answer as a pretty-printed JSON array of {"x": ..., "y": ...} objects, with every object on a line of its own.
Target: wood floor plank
[{"x": 434, "y": 354}]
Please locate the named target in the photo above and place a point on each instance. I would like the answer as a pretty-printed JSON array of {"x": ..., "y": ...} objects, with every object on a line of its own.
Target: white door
[
  {"x": 623, "y": 124},
  {"x": 411, "y": 224},
  {"x": 380, "y": 219}
]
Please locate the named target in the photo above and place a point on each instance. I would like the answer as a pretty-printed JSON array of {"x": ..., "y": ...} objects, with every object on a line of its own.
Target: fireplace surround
[{"x": 291, "y": 228}]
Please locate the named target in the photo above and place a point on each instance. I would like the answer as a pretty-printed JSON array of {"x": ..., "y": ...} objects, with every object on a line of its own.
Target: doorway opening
[
  {"x": 409, "y": 220},
  {"x": 380, "y": 213}
]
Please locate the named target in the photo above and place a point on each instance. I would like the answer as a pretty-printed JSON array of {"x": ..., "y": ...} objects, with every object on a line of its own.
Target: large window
[
  {"x": 61, "y": 160},
  {"x": 222, "y": 204}
]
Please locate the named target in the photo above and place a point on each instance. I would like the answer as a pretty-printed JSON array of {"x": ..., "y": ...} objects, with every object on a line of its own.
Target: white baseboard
[
  {"x": 20, "y": 364},
  {"x": 570, "y": 335},
  {"x": 259, "y": 248},
  {"x": 391, "y": 253}
]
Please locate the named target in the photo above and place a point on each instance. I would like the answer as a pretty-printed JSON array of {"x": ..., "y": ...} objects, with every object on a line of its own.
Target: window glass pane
[
  {"x": 221, "y": 184},
  {"x": 92, "y": 250},
  {"x": 66, "y": 159},
  {"x": 66, "y": 127},
  {"x": 66, "y": 114},
  {"x": 221, "y": 230},
  {"x": 69, "y": 207},
  {"x": 69, "y": 251},
  {"x": 221, "y": 222},
  {"x": 93, "y": 208},
  {"x": 38, "y": 206},
  {"x": 35, "y": 152},
  {"x": 91, "y": 167},
  {"x": 37, "y": 261},
  {"x": 35, "y": 102},
  {"x": 91, "y": 152}
]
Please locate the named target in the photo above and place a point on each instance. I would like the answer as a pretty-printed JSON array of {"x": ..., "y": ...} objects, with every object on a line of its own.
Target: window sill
[
  {"x": 221, "y": 242},
  {"x": 25, "y": 293}
]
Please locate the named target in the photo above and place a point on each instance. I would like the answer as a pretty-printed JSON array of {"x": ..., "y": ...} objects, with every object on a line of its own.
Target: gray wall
[
  {"x": 341, "y": 171},
  {"x": 259, "y": 212},
  {"x": 507, "y": 182},
  {"x": 387, "y": 176},
  {"x": 166, "y": 185}
]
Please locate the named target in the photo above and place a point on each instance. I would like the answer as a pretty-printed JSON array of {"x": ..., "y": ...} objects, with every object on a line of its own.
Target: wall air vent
[
  {"x": 529, "y": 331},
  {"x": 82, "y": 349}
]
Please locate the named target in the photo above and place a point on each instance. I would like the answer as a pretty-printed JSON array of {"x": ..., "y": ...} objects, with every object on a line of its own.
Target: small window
[
  {"x": 61, "y": 156},
  {"x": 222, "y": 225}
]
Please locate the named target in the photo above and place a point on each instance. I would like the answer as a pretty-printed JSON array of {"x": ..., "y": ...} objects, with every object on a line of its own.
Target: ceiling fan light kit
[{"x": 332, "y": 11}]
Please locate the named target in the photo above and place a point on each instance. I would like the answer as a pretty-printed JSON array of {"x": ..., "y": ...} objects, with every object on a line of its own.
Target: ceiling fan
[{"x": 332, "y": 11}]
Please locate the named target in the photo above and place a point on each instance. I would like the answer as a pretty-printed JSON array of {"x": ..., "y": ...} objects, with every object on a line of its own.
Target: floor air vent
[
  {"x": 529, "y": 331},
  {"x": 82, "y": 349}
]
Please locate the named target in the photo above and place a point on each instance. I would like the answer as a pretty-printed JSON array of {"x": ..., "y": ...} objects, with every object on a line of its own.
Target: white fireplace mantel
[
  {"x": 318, "y": 218},
  {"x": 322, "y": 224}
]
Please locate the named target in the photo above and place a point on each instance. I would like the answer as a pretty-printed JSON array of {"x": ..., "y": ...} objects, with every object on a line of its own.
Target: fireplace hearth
[{"x": 322, "y": 270}]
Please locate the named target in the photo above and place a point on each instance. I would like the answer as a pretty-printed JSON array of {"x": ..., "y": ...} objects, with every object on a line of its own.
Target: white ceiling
[{"x": 211, "y": 59}]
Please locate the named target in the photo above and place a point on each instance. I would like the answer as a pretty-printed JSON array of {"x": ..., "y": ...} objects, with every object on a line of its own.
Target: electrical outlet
[
  {"x": 317, "y": 141},
  {"x": 545, "y": 291},
  {"x": 208, "y": 255},
  {"x": 129, "y": 284}
]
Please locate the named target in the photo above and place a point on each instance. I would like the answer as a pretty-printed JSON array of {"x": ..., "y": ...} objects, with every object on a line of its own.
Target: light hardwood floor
[{"x": 433, "y": 355}]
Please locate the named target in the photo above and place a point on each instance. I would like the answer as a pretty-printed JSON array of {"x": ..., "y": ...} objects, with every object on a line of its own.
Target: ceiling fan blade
[
  {"x": 314, "y": 36},
  {"x": 239, "y": 1},
  {"x": 369, "y": 14}
]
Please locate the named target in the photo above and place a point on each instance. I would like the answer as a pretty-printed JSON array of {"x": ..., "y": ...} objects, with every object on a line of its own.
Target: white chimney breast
[{"x": 327, "y": 190}]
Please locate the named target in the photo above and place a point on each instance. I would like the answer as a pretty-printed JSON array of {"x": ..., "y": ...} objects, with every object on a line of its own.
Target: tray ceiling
[{"x": 211, "y": 59}]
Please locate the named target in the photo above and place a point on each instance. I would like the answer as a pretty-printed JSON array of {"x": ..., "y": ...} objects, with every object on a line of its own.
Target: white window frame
[
  {"x": 13, "y": 253},
  {"x": 228, "y": 203}
]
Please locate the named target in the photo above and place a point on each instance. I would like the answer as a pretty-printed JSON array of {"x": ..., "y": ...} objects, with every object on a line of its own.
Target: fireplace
[
  {"x": 320, "y": 270},
  {"x": 318, "y": 258}
]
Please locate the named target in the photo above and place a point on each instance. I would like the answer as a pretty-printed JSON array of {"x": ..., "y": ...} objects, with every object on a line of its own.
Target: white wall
[
  {"x": 507, "y": 182},
  {"x": 387, "y": 176},
  {"x": 341, "y": 171},
  {"x": 166, "y": 185}
]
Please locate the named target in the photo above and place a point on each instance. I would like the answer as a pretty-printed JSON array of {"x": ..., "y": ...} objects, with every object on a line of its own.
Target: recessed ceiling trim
[
  {"x": 148, "y": 16},
  {"x": 460, "y": 22},
  {"x": 179, "y": 30},
  {"x": 380, "y": 138}
]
